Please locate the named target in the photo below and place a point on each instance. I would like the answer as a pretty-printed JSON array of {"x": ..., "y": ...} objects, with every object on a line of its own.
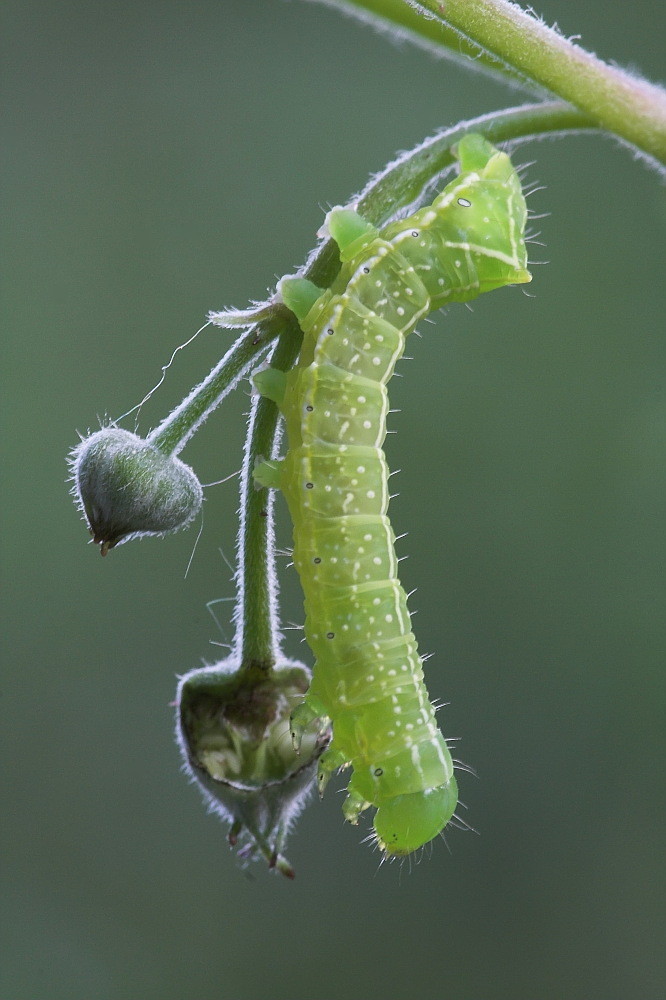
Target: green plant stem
[
  {"x": 257, "y": 633},
  {"x": 395, "y": 17},
  {"x": 624, "y": 104},
  {"x": 174, "y": 432},
  {"x": 401, "y": 184}
]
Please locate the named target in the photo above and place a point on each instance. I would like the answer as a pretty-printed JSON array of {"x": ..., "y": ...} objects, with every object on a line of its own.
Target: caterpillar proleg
[{"x": 368, "y": 676}]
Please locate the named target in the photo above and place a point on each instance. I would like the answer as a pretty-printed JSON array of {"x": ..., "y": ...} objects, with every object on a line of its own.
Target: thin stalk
[
  {"x": 173, "y": 433},
  {"x": 258, "y": 636},
  {"x": 398, "y": 20},
  {"x": 626, "y": 105},
  {"x": 402, "y": 184}
]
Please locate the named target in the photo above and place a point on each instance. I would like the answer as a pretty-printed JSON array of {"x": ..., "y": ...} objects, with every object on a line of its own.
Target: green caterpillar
[{"x": 368, "y": 676}]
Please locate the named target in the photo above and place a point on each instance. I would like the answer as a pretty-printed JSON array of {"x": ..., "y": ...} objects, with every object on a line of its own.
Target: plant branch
[
  {"x": 401, "y": 22},
  {"x": 258, "y": 637},
  {"x": 626, "y": 105},
  {"x": 176, "y": 429},
  {"x": 400, "y": 186}
]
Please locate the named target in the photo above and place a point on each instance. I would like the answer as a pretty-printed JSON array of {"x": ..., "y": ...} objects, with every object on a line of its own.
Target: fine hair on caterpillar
[{"x": 367, "y": 681}]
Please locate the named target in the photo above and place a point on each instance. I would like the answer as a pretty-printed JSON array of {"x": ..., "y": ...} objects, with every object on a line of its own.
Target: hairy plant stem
[
  {"x": 626, "y": 105},
  {"x": 398, "y": 187},
  {"x": 173, "y": 433},
  {"x": 258, "y": 636},
  {"x": 396, "y": 18}
]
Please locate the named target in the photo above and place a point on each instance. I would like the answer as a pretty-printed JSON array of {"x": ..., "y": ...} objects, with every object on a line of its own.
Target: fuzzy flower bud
[
  {"x": 233, "y": 733},
  {"x": 126, "y": 488}
]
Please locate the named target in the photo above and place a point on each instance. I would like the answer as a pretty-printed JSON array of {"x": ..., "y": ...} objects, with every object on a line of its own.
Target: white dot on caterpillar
[
  {"x": 367, "y": 424},
  {"x": 370, "y": 494},
  {"x": 464, "y": 203},
  {"x": 400, "y": 311},
  {"x": 376, "y": 361},
  {"x": 388, "y": 618},
  {"x": 377, "y": 600}
]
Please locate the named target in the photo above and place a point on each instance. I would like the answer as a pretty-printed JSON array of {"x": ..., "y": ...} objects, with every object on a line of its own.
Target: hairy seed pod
[
  {"x": 127, "y": 488},
  {"x": 232, "y": 728}
]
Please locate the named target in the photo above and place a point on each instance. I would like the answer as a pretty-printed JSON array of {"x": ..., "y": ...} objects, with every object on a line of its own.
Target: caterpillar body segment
[{"x": 368, "y": 676}]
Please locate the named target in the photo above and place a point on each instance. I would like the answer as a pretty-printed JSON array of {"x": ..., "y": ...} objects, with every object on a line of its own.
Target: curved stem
[
  {"x": 174, "y": 431},
  {"x": 258, "y": 637},
  {"x": 403, "y": 183},
  {"x": 624, "y": 104},
  {"x": 398, "y": 20}
]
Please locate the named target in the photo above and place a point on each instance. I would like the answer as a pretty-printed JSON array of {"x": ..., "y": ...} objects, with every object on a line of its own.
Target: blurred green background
[{"x": 166, "y": 158}]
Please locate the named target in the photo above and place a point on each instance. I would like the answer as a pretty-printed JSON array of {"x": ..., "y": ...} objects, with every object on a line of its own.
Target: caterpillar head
[{"x": 406, "y": 822}]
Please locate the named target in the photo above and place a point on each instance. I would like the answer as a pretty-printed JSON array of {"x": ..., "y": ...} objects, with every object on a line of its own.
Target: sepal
[{"x": 232, "y": 729}]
